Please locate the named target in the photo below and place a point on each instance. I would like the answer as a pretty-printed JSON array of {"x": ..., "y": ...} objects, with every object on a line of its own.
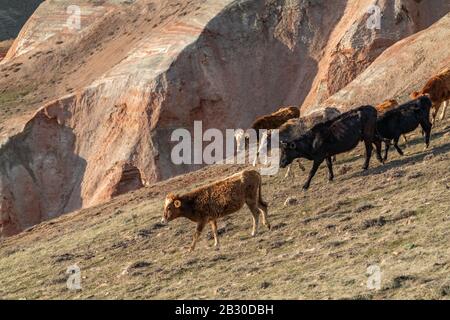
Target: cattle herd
[{"x": 318, "y": 137}]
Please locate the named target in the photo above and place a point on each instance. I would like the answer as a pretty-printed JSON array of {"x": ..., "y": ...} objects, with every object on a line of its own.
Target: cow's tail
[{"x": 260, "y": 199}]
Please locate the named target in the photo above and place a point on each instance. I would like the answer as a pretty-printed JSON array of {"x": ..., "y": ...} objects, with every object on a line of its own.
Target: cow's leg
[
  {"x": 377, "y": 144},
  {"x": 263, "y": 145},
  {"x": 255, "y": 215},
  {"x": 396, "y": 139},
  {"x": 291, "y": 171},
  {"x": 265, "y": 220},
  {"x": 330, "y": 168},
  {"x": 434, "y": 112},
  {"x": 213, "y": 224},
  {"x": 387, "y": 145},
  {"x": 405, "y": 140},
  {"x": 300, "y": 165},
  {"x": 444, "y": 109},
  {"x": 313, "y": 171},
  {"x": 288, "y": 171},
  {"x": 426, "y": 126},
  {"x": 198, "y": 232},
  {"x": 369, "y": 149}
]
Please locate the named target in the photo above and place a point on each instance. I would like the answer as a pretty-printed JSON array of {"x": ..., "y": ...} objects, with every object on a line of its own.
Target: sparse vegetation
[
  {"x": 319, "y": 247},
  {"x": 10, "y": 97}
]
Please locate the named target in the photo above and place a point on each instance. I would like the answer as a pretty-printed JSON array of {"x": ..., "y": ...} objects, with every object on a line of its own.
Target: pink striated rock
[
  {"x": 138, "y": 71},
  {"x": 353, "y": 47},
  {"x": 400, "y": 70}
]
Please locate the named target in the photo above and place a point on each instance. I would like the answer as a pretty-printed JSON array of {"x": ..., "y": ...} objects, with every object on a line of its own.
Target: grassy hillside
[{"x": 396, "y": 216}]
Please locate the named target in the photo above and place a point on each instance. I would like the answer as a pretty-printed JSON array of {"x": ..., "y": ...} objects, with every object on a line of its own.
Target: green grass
[{"x": 10, "y": 97}]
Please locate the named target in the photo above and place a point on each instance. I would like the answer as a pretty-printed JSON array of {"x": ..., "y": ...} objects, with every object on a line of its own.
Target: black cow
[
  {"x": 332, "y": 137},
  {"x": 403, "y": 119}
]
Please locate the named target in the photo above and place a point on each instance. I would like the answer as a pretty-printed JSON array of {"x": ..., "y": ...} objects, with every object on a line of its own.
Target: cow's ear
[
  {"x": 171, "y": 196},
  {"x": 292, "y": 145},
  {"x": 177, "y": 203}
]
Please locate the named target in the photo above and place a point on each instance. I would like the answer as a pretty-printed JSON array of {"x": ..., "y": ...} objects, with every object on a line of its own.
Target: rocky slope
[
  {"x": 352, "y": 47},
  {"x": 385, "y": 80},
  {"x": 86, "y": 114}
]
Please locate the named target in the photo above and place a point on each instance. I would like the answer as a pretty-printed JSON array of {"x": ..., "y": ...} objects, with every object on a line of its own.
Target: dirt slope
[{"x": 395, "y": 216}]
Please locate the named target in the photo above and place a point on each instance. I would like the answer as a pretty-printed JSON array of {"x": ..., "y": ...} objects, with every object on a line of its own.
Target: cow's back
[
  {"x": 405, "y": 117},
  {"x": 220, "y": 198},
  {"x": 251, "y": 179},
  {"x": 292, "y": 129},
  {"x": 344, "y": 132},
  {"x": 438, "y": 87},
  {"x": 346, "y": 128}
]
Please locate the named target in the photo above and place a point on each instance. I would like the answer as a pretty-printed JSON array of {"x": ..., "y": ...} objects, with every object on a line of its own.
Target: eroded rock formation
[{"x": 97, "y": 105}]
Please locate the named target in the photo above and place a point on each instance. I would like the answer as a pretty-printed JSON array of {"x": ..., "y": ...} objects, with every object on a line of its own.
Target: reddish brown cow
[
  {"x": 211, "y": 202},
  {"x": 438, "y": 90}
]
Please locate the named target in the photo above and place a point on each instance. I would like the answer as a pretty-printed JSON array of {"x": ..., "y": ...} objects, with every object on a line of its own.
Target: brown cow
[
  {"x": 275, "y": 119},
  {"x": 386, "y": 106},
  {"x": 271, "y": 121},
  {"x": 211, "y": 202},
  {"x": 438, "y": 90}
]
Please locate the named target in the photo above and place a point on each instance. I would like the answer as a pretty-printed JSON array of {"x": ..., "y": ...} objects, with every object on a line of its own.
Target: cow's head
[
  {"x": 425, "y": 101},
  {"x": 172, "y": 208},
  {"x": 288, "y": 152}
]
